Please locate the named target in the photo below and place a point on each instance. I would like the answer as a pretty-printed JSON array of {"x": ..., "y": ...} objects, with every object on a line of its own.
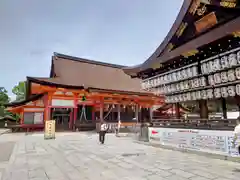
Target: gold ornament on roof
[
  {"x": 170, "y": 47},
  {"x": 156, "y": 65},
  {"x": 228, "y": 3},
  {"x": 190, "y": 53},
  {"x": 181, "y": 29},
  {"x": 192, "y": 10},
  {"x": 201, "y": 10}
]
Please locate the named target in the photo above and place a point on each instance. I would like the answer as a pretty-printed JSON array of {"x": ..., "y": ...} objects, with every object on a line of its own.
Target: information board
[
  {"x": 49, "y": 131},
  {"x": 210, "y": 141}
]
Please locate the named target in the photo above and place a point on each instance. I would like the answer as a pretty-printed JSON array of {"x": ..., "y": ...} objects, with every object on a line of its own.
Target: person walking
[{"x": 102, "y": 132}]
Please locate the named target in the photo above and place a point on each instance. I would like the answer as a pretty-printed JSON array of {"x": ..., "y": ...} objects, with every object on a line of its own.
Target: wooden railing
[{"x": 222, "y": 124}]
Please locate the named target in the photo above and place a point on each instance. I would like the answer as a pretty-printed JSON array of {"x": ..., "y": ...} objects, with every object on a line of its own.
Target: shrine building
[{"x": 82, "y": 92}]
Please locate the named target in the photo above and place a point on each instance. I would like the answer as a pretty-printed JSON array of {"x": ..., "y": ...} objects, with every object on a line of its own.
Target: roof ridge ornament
[{"x": 190, "y": 53}]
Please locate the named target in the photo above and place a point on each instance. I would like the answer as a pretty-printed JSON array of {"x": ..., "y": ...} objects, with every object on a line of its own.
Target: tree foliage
[
  {"x": 4, "y": 99},
  {"x": 20, "y": 90}
]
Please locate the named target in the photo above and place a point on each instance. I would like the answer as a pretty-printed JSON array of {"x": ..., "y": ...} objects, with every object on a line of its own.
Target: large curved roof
[{"x": 187, "y": 15}]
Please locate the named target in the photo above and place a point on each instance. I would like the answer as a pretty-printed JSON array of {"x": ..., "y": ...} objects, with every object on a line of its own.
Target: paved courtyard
[{"x": 79, "y": 156}]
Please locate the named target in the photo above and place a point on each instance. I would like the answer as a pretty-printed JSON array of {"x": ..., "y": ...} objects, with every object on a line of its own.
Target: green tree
[
  {"x": 3, "y": 100},
  {"x": 20, "y": 90}
]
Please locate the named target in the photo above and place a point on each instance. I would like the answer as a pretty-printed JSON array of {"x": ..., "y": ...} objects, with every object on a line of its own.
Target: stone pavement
[{"x": 79, "y": 156}]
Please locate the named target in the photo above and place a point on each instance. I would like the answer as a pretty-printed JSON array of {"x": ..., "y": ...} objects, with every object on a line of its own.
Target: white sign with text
[{"x": 210, "y": 141}]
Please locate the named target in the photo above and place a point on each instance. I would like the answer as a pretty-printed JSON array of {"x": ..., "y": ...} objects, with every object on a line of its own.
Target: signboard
[
  {"x": 62, "y": 102},
  {"x": 49, "y": 132},
  {"x": 209, "y": 141}
]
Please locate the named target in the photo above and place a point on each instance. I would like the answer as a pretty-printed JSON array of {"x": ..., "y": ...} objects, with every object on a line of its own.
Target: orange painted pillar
[{"x": 47, "y": 105}]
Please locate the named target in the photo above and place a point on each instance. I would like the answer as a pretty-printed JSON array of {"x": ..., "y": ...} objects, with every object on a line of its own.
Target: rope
[
  {"x": 110, "y": 110},
  {"x": 83, "y": 113}
]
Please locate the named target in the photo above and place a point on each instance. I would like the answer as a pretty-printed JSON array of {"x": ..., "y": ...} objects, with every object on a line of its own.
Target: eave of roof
[
  {"x": 211, "y": 36},
  {"x": 50, "y": 82},
  {"x": 25, "y": 101}
]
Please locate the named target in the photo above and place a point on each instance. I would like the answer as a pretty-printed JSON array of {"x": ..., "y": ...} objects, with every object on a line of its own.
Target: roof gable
[{"x": 78, "y": 72}]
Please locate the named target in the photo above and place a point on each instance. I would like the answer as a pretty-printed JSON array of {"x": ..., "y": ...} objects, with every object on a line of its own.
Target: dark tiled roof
[{"x": 82, "y": 73}]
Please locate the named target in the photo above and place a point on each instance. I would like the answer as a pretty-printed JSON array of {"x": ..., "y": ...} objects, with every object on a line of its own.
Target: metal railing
[{"x": 212, "y": 124}]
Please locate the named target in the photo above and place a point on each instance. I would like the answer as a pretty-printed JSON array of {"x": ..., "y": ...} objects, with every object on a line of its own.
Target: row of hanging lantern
[
  {"x": 177, "y": 75},
  {"x": 224, "y": 77},
  {"x": 220, "y": 63},
  {"x": 181, "y": 86},
  {"x": 224, "y": 92}
]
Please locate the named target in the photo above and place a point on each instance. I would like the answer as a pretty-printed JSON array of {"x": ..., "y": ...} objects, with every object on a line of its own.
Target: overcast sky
[{"x": 116, "y": 31}]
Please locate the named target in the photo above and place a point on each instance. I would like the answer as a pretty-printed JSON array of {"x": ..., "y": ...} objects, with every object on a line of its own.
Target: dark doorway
[{"x": 62, "y": 118}]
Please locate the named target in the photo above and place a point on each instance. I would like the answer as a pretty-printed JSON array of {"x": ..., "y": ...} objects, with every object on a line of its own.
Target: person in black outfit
[{"x": 102, "y": 132}]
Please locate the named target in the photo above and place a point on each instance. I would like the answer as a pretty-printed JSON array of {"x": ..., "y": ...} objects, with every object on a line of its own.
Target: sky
[{"x": 122, "y": 32}]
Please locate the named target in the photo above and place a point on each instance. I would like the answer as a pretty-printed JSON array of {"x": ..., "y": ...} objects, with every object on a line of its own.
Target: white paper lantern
[
  {"x": 237, "y": 72},
  {"x": 176, "y": 99},
  {"x": 204, "y": 68},
  {"x": 179, "y": 75},
  {"x": 181, "y": 86},
  {"x": 177, "y": 86},
  {"x": 204, "y": 94},
  {"x": 209, "y": 93},
  {"x": 180, "y": 97},
  {"x": 147, "y": 84},
  {"x": 238, "y": 57},
  {"x": 216, "y": 65},
  {"x": 210, "y": 66},
  {"x": 198, "y": 95},
  {"x": 186, "y": 85},
  {"x": 194, "y": 70},
  {"x": 188, "y": 95},
  {"x": 217, "y": 78},
  {"x": 224, "y": 92},
  {"x": 238, "y": 89},
  {"x": 185, "y": 73},
  {"x": 190, "y": 84},
  {"x": 217, "y": 93},
  {"x": 189, "y": 72},
  {"x": 224, "y": 62},
  {"x": 231, "y": 91},
  {"x": 196, "y": 82},
  {"x": 165, "y": 79},
  {"x": 224, "y": 77},
  {"x": 211, "y": 80},
  {"x": 202, "y": 81},
  {"x": 169, "y": 77},
  {"x": 158, "y": 81},
  {"x": 174, "y": 76},
  {"x": 193, "y": 96},
  {"x": 231, "y": 75},
  {"x": 232, "y": 59},
  {"x": 167, "y": 99}
]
